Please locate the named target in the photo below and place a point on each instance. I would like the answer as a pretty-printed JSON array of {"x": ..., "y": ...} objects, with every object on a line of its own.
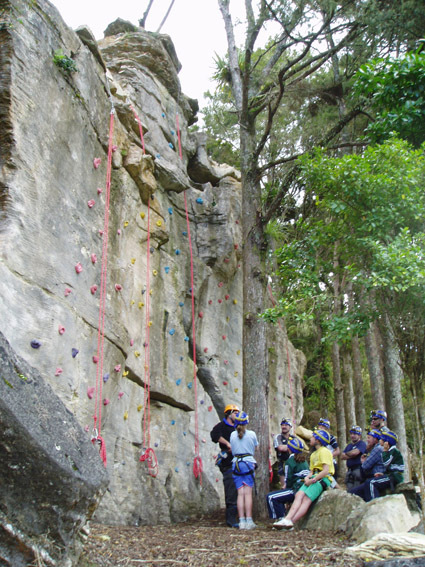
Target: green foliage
[
  {"x": 65, "y": 63},
  {"x": 396, "y": 89}
]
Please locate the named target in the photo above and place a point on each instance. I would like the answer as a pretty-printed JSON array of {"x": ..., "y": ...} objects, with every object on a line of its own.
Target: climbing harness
[{"x": 197, "y": 462}]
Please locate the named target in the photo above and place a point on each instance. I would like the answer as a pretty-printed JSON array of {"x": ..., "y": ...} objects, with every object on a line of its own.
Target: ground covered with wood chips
[{"x": 209, "y": 543}]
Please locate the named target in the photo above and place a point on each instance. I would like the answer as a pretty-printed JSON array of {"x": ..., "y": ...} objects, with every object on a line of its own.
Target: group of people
[{"x": 372, "y": 466}]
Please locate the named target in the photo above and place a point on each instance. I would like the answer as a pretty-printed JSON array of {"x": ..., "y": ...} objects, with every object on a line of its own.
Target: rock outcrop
[{"x": 54, "y": 134}]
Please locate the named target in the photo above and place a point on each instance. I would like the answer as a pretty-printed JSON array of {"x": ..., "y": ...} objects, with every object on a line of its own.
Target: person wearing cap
[
  {"x": 221, "y": 434},
  {"x": 296, "y": 469},
  {"x": 372, "y": 465},
  {"x": 318, "y": 479},
  {"x": 243, "y": 442},
  {"x": 378, "y": 419},
  {"x": 352, "y": 454},
  {"x": 393, "y": 463},
  {"x": 325, "y": 425},
  {"x": 280, "y": 443}
]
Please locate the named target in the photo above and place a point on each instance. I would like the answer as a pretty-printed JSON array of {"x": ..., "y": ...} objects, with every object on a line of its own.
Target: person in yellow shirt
[{"x": 319, "y": 478}]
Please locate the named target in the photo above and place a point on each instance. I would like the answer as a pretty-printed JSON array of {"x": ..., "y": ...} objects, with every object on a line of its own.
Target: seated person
[
  {"x": 318, "y": 479},
  {"x": 393, "y": 463},
  {"x": 372, "y": 465},
  {"x": 280, "y": 443},
  {"x": 325, "y": 425},
  {"x": 296, "y": 469},
  {"x": 352, "y": 454}
]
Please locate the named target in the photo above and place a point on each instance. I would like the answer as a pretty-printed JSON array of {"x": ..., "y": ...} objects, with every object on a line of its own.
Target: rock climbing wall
[{"x": 58, "y": 245}]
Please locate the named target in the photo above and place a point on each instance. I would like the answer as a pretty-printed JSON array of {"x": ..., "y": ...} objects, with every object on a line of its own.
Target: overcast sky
[{"x": 195, "y": 26}]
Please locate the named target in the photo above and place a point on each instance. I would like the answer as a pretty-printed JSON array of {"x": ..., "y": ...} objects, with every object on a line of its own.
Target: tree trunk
[
  {"x": 350, "y": 411},
  {"x": 373, "y": 363},
  {"x": 358, "y": 383},
  {"x": 393, "y": 395}
]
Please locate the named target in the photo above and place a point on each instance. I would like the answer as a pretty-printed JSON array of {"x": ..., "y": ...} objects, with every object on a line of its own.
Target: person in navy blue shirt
[
  {"x": 352, "y": 454},
  {"x": 372, "y": 465}
]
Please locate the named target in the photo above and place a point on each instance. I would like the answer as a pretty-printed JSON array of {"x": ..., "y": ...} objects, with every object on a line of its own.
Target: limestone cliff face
[{"x": 53, "y": 125}]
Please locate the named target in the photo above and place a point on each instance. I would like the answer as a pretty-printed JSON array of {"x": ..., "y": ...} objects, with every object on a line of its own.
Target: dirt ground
[{"x": 209, "y": 543}]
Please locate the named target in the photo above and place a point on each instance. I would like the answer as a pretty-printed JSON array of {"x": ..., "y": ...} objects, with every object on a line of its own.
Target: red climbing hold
[
  {"x": 226, "y": 362},
  {"x": 220, "y": 284},
  {"x": 225, "y": 382},
  {"x": 90, "y": 392},
  {"x": 236, "y": 246},
  {"x": 78, "y": 268},
  {"x": 117, "y": 368},
  {"x": 61, "y": 329},
  {"x": 118, "y": 287},
  {"x": 206, "y": 349},
  {"x": 226, "y": 260},
  {"x": 120, "y": 395},
  {"x": 131, "y": 342},
  {"x": 95, "y": 359},
  {"x": 67, "y": 291},
  {"x": 106, "y": 401},
  {"x": 93, "y": 289},
  {"x": 226, "y": 297},
  {"x": 93, "y": 258},
  {"x": 91, "y": 203},
  {"x": 220, "y": 301},
  {"x": 58, "y": 371},
  {"x": 223, "y": 337},
  {"x": 200, "y": 314},
  {"x": 99, "y": 190},
  {"x": 209, "y": 301},
  {"x": 96, "y": 162},
  {"x": 210, "y": 408}
]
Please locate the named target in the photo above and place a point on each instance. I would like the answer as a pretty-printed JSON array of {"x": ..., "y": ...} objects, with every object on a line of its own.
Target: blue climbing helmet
[
  {"x": 356, "y": 429},
  {"x": 325, "y": 422},
  {"x": 375, "y": 433},
  {"x": 286, "y": 421},
  {"x": 378, "y": 414},
  {"x": 295, "y": 445},
  {"x": 242, "y": 418},
  {"x": 322, "y": 436},
  {"x": 389, "y": 436}
]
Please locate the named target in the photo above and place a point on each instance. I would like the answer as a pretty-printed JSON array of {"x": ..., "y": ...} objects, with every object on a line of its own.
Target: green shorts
[{"x": 315, "y": 490}]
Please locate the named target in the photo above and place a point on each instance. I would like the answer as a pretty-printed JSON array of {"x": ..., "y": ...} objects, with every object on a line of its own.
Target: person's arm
[
  {"x": 350, "y": 454},
  {"x": 322, "y": 474},
  {"x": 336, "y": 452},
  {"x": 224, "y": 441},
  {"x": 373, "y": 459}
]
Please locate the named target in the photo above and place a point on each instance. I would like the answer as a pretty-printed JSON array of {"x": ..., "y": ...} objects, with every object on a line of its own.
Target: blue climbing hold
[
  {"x": 177, "y": 252},
  {"x": 158, "y": 156},
  {"x": 184, "y": 233},
  {"x": 181, "y": 303},
  {"x": 190, "y": 385},
  {"x": 106, "y": 377},
  {"x": 173, "y": 421},
  {"x": 35, "y": 343},
  {"x": 184, "y": 433},
  {"x": 181, "y": 358},
  {"x": 172, "y": 331},
  {"x": 178, "y": 382},
  {"x": 74, "y": 352},
  {"x": 202, "y": 402},
  {"x": 186, "y": 339},
  {"x": 167, "y": 269},
  {"x": 163, "y": 114},
  {"x": 171, "y": 145},
  {"x": 188, "y": 463},
  {"x": 172, "y": 132},
  {"x": 199, "y": 200},
  {"x": 177, "y": 469},
  {"x": 170, "y": 210}
]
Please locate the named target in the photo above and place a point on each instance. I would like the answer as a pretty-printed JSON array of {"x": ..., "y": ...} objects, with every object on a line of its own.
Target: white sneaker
[
  {"x": 250, "y": 525},
  {"x": 242, "y": 524},
  {"x": 283, "y": 524}
]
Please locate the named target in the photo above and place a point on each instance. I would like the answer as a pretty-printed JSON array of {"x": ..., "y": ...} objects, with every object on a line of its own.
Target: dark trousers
[
  {"x": 276, "y": 501},
  {"x": 353, "y": 478},
  {"x": 369, "y": 489},
  {"x": 230, "y": 497}
]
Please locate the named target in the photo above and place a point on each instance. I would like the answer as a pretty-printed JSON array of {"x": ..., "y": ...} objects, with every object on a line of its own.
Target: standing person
[
  {"x": 372, "y": 465},
  {"x": 378, "y": 419},
  {"x": 280, "y": 443},
  {"x": 296, "y": 469},
  {"x": 352, "y": 454},
  {"x": 325, "y": 425},
  {"x": 319, "y": 478},
  {"x": 221, "y": 434},
  {"x": 243, "y": 442},
  {"x": 393, "y": 463}
]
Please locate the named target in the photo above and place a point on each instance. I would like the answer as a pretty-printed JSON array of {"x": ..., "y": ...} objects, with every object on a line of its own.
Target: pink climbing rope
[
  {"x": 148, "y": 454},
  {"x": 197, "y": 462},
  {"x": 97, "y": 418},
  {"x": 287, "y": 357}
]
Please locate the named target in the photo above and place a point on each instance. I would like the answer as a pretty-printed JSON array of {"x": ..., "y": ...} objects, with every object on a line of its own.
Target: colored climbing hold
[
  {"x": 132, "y": 302},
  {"x": 226, "y": 362},
  {"x": 114, "y": 148},
  {"x": 190, "y": 385},
  {"x": 163, "y": 114},
  {"x": 125, "y": 415},
  {"x": 117, "y": 368},
  {"x": 155, "y": 273},
  {"x": 181, "y": 303},
  {"x": 158, "y": 156},
  {"x": 119, "y": 231},
  {"x": 131, "y": 342},
  {"x": 58, "y": 371},
  {"x": 236, "y": 374},
  {"x": 236, "y": 390},
  {"x": 99, "y": 190},
  {"x": 93, "y": 289},
  {"x": 151, "y": 249},
  {"x": 74, "y": 352},
  {"x": 91, "y": 203},
  {"x": 118, "y": 287},
  {"x": 173, "y": 421},
  {"x": 106, "y": 377},
  {"x": 150, "y": 324},
  {"x": 209, "y": 301},
  {"x": 140, "y": 407},
  {"x": 226, "y": 297},
  {"x": 225, "y": 382},
  {"x": 184, "y": 433},
  {"x": 238, "y": 351},
  {"x": 206, "y": 349},
  {"x": 96, "y": 162},
  {"x": 90, "y": 392},
  {"x": 125, "y": 373},
  {"x": 184, "y": 232},
  {"x": 120, "y": 395},
  {"x": 35, "y": 343},
  {"x": 199, "y": 200},
  {"x": 170, "y": 145},
  {"x": 133, "y": 260},
  {"x": 78, "y": 268},
  {"x": 236, "y": 246},
  {"x": 141, "y": 304},
  {"x": 202, "y": 402},
  {"x": 223, "y": 337},
  {"x": 142, "y": 215},
  {"x": 166, "y": 269},
  {"x": 235, "y": 301},
  {"x": 86, "y": 428},
  {"x": 186, "y": 339},
  {"x": 93, "y": 258},
  {"x": 210, "y": 408},
  {"x": 176, "y": 469},
  {"x": 126, "y": 224},
  {"x": 203, "y": 440},
  {"x": 227, "y": 319},
  {"x": 172, "y": 132},
  {"x": 159, "y": 223},
  {"x": 179, "y": 381},
  {"x": 172, "y": 331},
  {"x": 220, "y": 284},
  {"x": 136, "y": 353},
  {"x": 220, "y": 300},
  {"x": 181, "y": 358},
  {"x": 106, "y": 401},
  {"x": 237, "y": 222},
  {"x": 226, "y": 260},
  {"x": 200, "y": 314},
  {"x": 177, "y": 252},
  {"x": 95, "y": 359},
  {"x": 67, "y": 291}
]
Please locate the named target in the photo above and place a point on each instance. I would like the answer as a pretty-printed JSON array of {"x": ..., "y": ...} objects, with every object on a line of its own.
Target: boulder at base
[{"x": 391, "y": 550}]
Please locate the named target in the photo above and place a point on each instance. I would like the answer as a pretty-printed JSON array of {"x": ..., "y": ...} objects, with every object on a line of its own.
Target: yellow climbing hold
[
  {"x": 125, "y": 373},
  {"x": 139, "y": 407},
  {"x": 235, "y": 301},
  {"x": 150, "y": 292},
  {"x": 155, "y": 273},
  {"x": 126, "y": 415},
  {"x": 238, "y": 351},
  {"x": 136, "y": 353},
  {"x": 236, "y": 390},
  {"x": 142, "y": 215},
  {"x": 150, "y": 324},
  {"x": 227, "y": 319},
  {"x": 159, "y": 223},
  {"x": 133, "y": 260},
  {"x": 132, "y": 302},
  {"x": 236, "y": 373},
  {"x": 126, "y": 224},
  {"x": 141, "y": 304}
]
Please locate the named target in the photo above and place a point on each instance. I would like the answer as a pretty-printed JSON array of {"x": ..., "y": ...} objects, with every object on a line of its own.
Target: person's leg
[
  {"x": 276, "y": 502},
  {"x": 299, "y": 498},
  {"x": 302, "y": 509},
  {"x": 230, "y": 497},
  {"x": 248, "y": 501},
  {"x": 241, "y": 502},
  {"x": 377, "y": 484}
]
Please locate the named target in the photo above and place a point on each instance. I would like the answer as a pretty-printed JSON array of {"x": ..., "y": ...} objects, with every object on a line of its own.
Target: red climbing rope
[
  {"x": 97, "y": 418},
  {"x": 197, "y": 462},
  {"x": 148, "y": 454},
  {"x": 287, "y": 357}
]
